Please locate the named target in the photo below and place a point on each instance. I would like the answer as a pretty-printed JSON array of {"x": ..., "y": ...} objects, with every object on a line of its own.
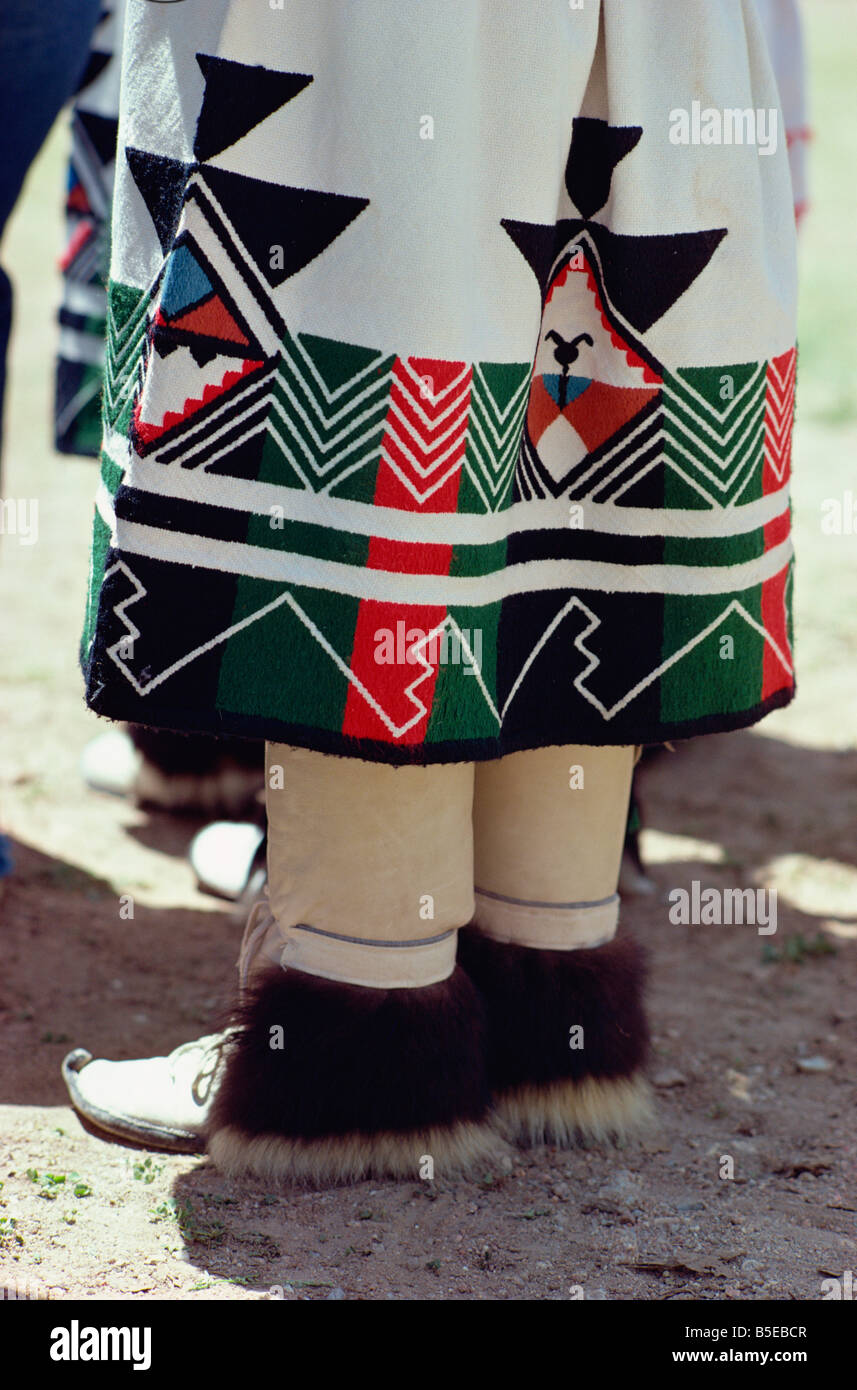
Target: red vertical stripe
[{"x": 420, "y": 471}]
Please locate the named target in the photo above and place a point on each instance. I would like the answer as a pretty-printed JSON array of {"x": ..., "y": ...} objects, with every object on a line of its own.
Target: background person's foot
[
  {"x": 228, "y": 858},
  {"x": 184, "y": 774}
]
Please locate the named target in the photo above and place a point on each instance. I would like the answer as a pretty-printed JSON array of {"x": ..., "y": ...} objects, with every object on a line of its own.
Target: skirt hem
[{"x": 262, "y": 728}]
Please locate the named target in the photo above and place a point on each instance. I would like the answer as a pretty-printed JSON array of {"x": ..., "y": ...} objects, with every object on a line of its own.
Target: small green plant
[
  {"x": 147, "y": 1171},
  {"x": 9, "y": 1235},
  {"x": 48, "y": 1182}
]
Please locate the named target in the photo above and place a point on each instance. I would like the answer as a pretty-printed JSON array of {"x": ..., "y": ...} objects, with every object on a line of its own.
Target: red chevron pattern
[
  {"x": 425, "y": 434},
  {"x": 779, "y": 415}
]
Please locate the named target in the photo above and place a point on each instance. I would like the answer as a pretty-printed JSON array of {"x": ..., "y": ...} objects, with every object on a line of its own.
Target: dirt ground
[
  {"x": 755, "y": 1036},
  {"x": 656, "y": 1220}
]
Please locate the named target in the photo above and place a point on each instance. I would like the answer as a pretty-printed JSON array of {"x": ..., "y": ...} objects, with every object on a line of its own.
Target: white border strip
[
  {"x": 444, "y": 528},
  {"x": 535, "y": 576}
]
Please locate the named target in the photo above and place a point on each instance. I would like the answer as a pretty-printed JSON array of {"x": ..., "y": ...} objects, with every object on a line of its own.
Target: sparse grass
[
  {"x": 10, "y": 1237},
  {"x": 192, "y": 1228},
  {"x": 796, "y": 949},
  {"x": 51, "y": 1184}
]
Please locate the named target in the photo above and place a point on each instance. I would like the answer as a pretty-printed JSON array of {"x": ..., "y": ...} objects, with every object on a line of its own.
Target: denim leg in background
[
  {"x": 44, "y": 46},
  {"x": 43, "y": 51}
]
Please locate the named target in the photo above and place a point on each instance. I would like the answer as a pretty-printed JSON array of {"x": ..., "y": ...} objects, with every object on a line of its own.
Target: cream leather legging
[{"x": 372, "y": 869}]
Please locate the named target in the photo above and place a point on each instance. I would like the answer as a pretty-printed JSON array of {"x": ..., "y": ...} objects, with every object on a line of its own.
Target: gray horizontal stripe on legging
[
  {"x": 525, "y": 902},
  {"x": 366, "y": 941}
]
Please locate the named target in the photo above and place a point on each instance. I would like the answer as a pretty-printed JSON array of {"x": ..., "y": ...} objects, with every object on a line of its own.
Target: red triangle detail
[{"x": 212, "y": 320}]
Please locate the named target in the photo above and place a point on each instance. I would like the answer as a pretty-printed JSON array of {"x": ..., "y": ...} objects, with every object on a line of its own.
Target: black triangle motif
[
  {"x": 101, "y": 131},
  {"x": 596, "y": 149},
  {"x": 237, "y": 97},
  {"x": 537, "y": 243},
  {"x": 161, "y": 182},
  {"x": 645, "y": 275},
  {"x": 95, "y": 65},
  {"x": 269, "y": 216}
]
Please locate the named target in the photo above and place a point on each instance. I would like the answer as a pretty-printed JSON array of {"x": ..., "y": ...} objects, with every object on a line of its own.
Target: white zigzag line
[
  {"x": 749, "y": 427},
  {"x": 779, "y": 422},
  {"x": 117, "y": 392},
  {"x": 377, "y": 386},
  {"x": 478, "y": 475},
  {"x": 734, "y": 607},
  {"x": 118, "y": 369},
  {"x": 482, "y": 445},
  {"x": 790, "y": 368},
  {"x": 594, "y": 661},
  {"x": 723, "y": 483},
  {"x": 404, "y": 478},
  {"x": 354, "y": 421},
  {"x": 210, "y": 430},
  {"x": 135, "y": 325},
  {"x": 348, "y": 437},
  {"x": 132, "y": 631},
  {"x": 479, "y": 441},
  {"x": 728, "y": 406},
  {"x": 434, "y": 432},
  {"x": 709, "y": 497},
  {"x": 431, "y": 422},
  {"x": 478, "y": 467},
  {"x": 777, "y": 466},
  {"x": 579, "y": 643},
  {"x": 425, "y": 469},
  {"x": 779, "y": 435},
  {"x": 750, "y": 419},
  {"x": 780, "y": 386},
  {"x": 493, "y": 464},
  {"x": 486, "y": 397},
  {"x": 410, "y": 691},
  {"x": 329, "y": 395},
  {"x": 340, "y": 476}
]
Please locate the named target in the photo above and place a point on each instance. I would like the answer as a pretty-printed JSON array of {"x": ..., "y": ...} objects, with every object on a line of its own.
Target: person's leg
[
  {"x": 358, "y": 1046},
  {"x": 43, "y": 50},
  {"x": 361, "y": 1043},
  {"x": 181, "y": 773},
  {"x": 567, "y": 1030}
]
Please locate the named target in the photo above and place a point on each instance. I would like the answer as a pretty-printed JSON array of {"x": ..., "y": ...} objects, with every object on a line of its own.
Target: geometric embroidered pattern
[
  {"x": 551, "y": 549},
  {"x": 714, "y": 428}
]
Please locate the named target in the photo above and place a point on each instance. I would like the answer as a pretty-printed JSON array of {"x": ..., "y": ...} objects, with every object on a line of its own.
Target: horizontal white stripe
[
  {"x": 234, "y": 557},
  {"x": 85, "y": 299},
  {"x": 442, "y": 528},
  {"x": 75, "y": 346}
]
